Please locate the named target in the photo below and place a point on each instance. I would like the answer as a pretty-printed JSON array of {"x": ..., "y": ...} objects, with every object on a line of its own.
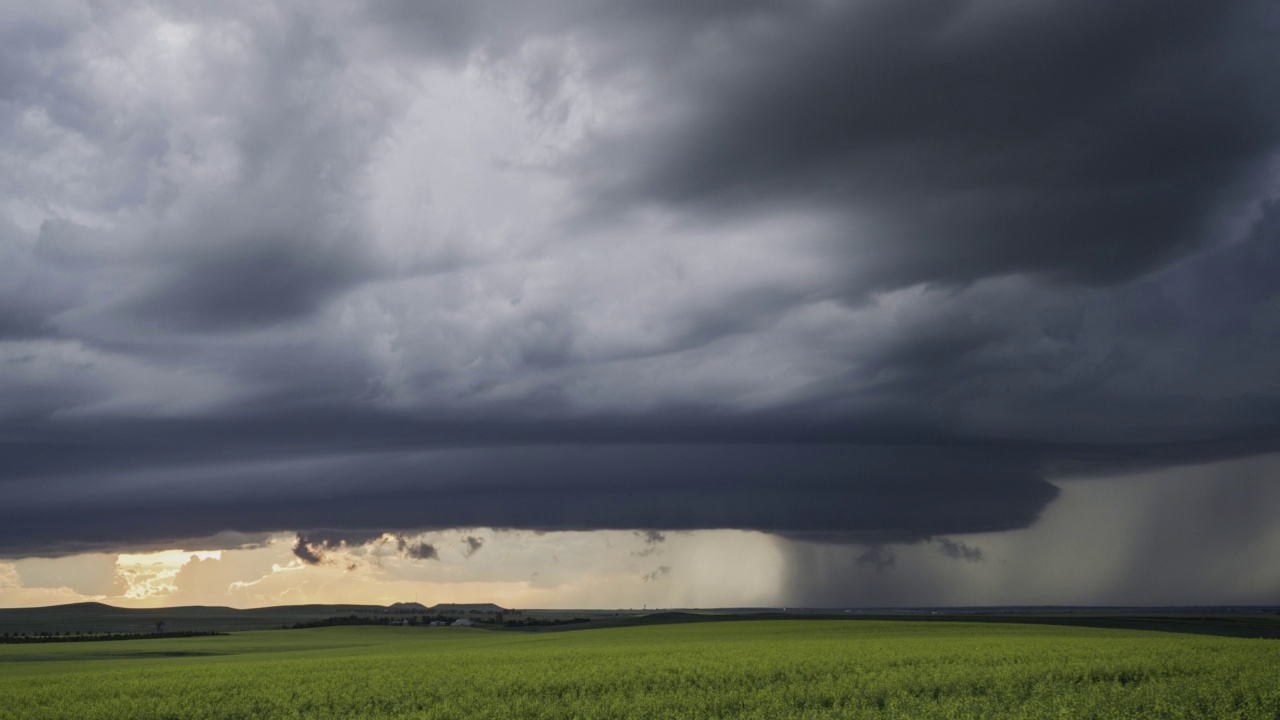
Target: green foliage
[{"x": 750, "y": 669}]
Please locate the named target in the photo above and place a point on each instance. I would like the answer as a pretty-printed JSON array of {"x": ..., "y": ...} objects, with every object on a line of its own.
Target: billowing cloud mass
[{"x": 849, "y": 272}]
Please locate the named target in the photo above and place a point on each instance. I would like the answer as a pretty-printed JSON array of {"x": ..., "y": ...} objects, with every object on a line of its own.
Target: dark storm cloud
[
  {"x": 421, "y": 551},
  {"x": 225, "y": 307},
  {"x": 311, "y": 547},
  {"x": 958, "y": 550},
  {"x": 473, "y": 544},
  {"x": 303, "y": 551},
  {"x": 913, "y": 476},
  {"x": 846, "y": 492},
  {"x": 1086, "y": 141}
]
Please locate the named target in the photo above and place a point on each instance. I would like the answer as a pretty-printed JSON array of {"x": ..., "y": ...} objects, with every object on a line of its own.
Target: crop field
[{"x": 747, "y": 669}]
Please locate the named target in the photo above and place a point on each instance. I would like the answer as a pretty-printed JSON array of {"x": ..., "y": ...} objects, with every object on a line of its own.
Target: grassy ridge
[
  {"x": 750, "y": 669},
  {"x": 97, "y": 617}
]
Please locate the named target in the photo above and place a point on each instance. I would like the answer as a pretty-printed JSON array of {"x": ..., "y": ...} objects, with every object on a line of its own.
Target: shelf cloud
[{"x": 852, "y": 272}]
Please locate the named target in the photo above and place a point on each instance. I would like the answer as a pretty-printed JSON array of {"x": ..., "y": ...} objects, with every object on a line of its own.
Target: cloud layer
[{"x": 850, "y": 271}]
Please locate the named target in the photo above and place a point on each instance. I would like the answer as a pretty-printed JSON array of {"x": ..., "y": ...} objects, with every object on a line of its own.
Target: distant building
[{"x": 463, "y": 622}]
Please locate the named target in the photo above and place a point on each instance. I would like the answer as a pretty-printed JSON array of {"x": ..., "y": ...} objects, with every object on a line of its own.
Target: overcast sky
[{"x": 890, "y": 302}]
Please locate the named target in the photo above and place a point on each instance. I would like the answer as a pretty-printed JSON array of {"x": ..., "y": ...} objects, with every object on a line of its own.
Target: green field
[{"x": 754, "y": 669}]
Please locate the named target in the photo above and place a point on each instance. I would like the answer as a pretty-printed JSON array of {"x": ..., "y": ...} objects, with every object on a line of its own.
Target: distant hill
[
  {"x": 446, "y": 608},
  {"x": 93, "y": 617}
]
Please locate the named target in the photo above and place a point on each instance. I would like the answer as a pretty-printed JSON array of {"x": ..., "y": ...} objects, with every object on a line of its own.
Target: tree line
[{"x": 51, "y": 637}]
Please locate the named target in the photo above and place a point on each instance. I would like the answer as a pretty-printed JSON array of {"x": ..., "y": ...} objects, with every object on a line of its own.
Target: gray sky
[{"x": 851, "y": 276}]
